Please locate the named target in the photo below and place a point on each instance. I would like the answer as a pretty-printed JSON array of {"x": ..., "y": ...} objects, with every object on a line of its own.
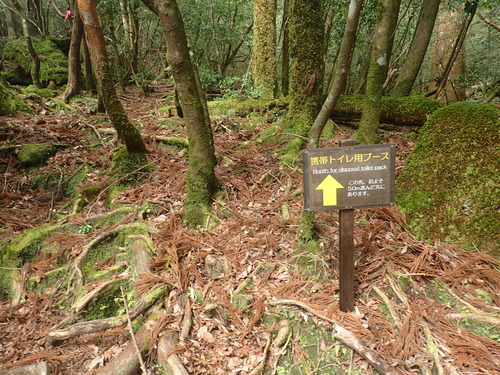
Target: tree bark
[
  {"x": 383, "y": 37},
  {"x": 264, "y": 47},
  {"x": 74, "y": 86},
  {"x": 201, "y": 181},
  {"x": 341, "y": 73},
  {"x": 97, "y": 48},
  {"x": 418, "y": 47}
]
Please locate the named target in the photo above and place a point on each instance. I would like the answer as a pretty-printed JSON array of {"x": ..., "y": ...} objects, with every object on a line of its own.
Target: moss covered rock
[
  {"x": 54, "y": 63},
  {"x": 36, "y": 154},
  {"x": 450, "y": 187}
]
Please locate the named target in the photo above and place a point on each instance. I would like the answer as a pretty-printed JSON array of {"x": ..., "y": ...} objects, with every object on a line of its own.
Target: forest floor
[{"x": 424, "y": 308}]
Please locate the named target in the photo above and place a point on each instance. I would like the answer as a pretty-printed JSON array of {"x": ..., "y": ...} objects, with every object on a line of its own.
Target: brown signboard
[{"x": 349, "y": 177}]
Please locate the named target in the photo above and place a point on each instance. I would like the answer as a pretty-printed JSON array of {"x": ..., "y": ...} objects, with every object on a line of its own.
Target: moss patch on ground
[{"x": 450, "y": 188}]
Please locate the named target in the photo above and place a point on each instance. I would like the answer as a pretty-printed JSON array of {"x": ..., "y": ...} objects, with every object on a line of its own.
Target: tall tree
[
  {"x": 264, "y": 47},
  {"x": 418, "y": 47},
  {"x": 341, "y": 73},
  {"x": 201, "y": 181},
  {"x": 127, "y": 132},
  {"x": 285, "y": 56},
  {"x": 381, "y": 49}
]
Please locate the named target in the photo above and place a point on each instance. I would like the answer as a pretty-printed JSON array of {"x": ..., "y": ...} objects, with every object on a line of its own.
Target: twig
[
  {"x": 132, "y": 335},
  {"x": 433, "y": 350},
  {"x": 346, "y": 337},
  {"x": 260, "y": 367}
]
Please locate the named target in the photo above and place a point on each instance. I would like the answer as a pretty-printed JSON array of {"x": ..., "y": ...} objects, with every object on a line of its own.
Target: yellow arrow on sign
[{"x": 329, "y": 186}]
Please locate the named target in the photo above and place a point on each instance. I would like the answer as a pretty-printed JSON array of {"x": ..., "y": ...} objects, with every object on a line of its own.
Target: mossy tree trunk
[
  {"x": 74, "y": 86},
  {"x": 418, "y": 47},
  {"x": 341, "y": 73},
  {"x": 264, "y": 47},
  {"x": 9, "y": 103},
  {"x": 201, "y": 180},
  {"x": 306, "y": 72},
  {"x": 97, "y": 48},
  {"x": 383, "y": 37}
]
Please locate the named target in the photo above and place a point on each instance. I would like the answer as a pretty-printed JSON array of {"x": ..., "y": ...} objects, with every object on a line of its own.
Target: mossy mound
[
  {"x": 450, "y": 186},
  {"x": 10, "y": 103},
  {"x": 53, "y": 66},
  {"x": 408, "y": 110}
]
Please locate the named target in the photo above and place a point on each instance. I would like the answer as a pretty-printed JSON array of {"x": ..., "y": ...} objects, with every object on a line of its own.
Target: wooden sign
[{"x": 349, "y": 177}]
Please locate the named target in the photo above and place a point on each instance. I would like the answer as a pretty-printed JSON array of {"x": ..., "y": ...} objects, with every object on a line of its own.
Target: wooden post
[{"x": 346, "y": 249}]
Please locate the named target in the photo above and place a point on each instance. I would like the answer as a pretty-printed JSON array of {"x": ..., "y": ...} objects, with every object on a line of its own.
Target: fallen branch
[
  {"x": 346, "y": 337},
  {"x": 388, "y": 304}
]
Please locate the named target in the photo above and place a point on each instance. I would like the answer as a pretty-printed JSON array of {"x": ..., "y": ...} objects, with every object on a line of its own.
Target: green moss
[
  {"x": 320, "y": 352},
  {"x": 10, "y": 103},
  {"x": 54, "y": 63},
  {"x": 20, "y": 250},
  {"x": 409, "y": 110},
  {"x": 36, "y": 154},
  {"x": 116, "y": 251},
  {"x": 450, "y": 188}
]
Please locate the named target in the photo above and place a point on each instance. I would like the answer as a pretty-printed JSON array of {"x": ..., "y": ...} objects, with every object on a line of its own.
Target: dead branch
[{"x": 346, "y": 337}]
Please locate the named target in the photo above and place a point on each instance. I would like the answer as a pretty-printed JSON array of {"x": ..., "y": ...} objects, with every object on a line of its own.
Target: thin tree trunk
[
  {"x": 201, "y": 181},
  {"x": 418, "y": 47},
  {"x": 341, "y": 72},
  {"x": 95, "y": 39},
  {"x": 457, "y": 47},
  {"x": 387, "y": 16},
  {"x": 285, "y": 61},
  {"x": 90, "y": 83},
  {"x": 74, "y": 86}
]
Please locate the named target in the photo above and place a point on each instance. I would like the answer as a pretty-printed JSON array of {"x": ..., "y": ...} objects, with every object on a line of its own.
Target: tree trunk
[
  {"x": 97, "y": 48},
  {"x": 306, "y": 72},
  {"x": 418, "y": 47},
  {"x": 264, "y": 47},
  {"x": 90, "y": 83},
  {"x": 341, "y": 72},
  {"x": 383, "y": 37},
  {"x": 201, "y": 180},
  {"x": 12, "y": 20},
  {"x": 456, "y": 51},
  {"x": 285, "y": 61},
  {"x": 74, "y": 86}
]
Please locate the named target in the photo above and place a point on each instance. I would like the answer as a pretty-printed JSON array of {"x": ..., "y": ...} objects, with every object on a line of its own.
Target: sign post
[{"x": 345, "y": 178}]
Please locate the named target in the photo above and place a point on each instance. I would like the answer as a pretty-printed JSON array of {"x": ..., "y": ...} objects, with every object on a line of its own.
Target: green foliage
[{"x": 450, "y": 187}]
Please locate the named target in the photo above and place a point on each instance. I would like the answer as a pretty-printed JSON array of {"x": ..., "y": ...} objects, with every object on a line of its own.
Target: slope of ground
[{"x": 424, "y": 308}]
